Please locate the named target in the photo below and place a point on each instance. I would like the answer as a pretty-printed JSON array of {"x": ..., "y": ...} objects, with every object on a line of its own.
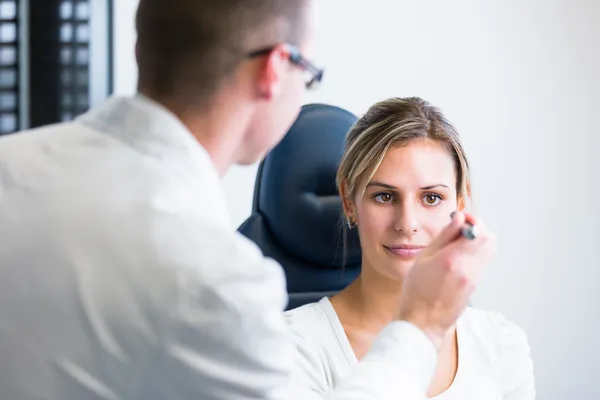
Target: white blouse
[{"x": 494, "y": 361}]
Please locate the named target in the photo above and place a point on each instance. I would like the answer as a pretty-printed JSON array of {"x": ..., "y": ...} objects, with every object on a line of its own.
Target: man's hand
[{"x": 438, "y": 288}]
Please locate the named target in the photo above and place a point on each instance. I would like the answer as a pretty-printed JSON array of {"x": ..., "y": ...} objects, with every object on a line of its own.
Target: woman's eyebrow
[
  {"x": 381, "y": 184},
  {"x": 434, "y": 186},
  {"x": 392, "y": 187}
]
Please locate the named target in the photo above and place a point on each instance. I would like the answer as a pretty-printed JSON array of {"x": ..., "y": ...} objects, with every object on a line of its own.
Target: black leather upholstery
[{"x": 297, "y": 214}]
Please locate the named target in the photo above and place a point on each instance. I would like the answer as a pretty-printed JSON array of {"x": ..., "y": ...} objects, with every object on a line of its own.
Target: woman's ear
[
  {"x": 346, "y": 201},
  {"x": 462, "y": 201}
]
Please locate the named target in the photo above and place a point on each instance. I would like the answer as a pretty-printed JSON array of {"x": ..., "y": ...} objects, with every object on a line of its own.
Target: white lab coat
[{"x": 121, "y": 276}]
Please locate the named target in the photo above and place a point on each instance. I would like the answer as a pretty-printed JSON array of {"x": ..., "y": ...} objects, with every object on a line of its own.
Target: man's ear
[{"x": 272, "y": 69}]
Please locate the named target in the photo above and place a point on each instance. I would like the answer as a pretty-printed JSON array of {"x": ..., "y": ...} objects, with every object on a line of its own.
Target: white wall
[{"x": 521, "y": 80}]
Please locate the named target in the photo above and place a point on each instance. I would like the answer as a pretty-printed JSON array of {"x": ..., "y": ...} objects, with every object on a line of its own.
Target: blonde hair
[{"x": 392, "y": 123}]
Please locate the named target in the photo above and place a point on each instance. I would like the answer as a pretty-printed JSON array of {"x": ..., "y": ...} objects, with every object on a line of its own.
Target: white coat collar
[{"x": 151, "y": 129}]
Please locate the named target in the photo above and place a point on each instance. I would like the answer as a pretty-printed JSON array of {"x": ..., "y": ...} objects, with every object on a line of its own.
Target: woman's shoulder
[
  {"x": 309, "y": 318},
  {"x": 493, "y": 329},
  {"x": 318, "y": 339},
  {"x": 316, "y": 328}
]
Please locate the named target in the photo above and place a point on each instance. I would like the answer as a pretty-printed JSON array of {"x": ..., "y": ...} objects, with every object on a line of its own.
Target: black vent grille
[
  {"x": 55, "y": 60},
  {"x": 74, "y": 68},
  {"x": 9, "y": 66}
]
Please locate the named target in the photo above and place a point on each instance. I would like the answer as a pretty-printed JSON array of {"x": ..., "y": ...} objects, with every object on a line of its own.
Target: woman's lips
[{"x": 404, "y": 251}]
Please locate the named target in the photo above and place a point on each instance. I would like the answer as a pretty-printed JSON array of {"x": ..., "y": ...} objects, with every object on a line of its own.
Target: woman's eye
[
  {"x": 432, "y": 199},
  {"x": 383, "y": 198}
]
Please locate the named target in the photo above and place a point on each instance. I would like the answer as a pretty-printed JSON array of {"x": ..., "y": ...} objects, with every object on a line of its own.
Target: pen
[{"x": 469, "y": 231}]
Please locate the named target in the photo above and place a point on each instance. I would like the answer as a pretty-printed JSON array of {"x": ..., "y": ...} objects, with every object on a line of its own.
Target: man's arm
[{"x": 228, "y": 339}]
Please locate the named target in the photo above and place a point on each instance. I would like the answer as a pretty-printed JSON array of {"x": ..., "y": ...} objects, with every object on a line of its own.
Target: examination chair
[{"x": 297, "y": 214}]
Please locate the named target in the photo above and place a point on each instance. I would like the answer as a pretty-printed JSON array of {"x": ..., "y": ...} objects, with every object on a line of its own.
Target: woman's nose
[{"x": 406, "y": 219}]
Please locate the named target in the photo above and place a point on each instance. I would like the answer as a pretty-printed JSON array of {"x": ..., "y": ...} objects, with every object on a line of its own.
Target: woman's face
[{"x": 406, "y": 204}]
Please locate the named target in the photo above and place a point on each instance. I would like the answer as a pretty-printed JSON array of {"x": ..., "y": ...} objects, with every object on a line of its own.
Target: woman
[{"x": 403, "y": 173}]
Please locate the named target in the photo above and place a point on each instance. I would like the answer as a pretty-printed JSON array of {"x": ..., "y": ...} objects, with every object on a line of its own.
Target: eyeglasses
[{"x": 296, "y": 58}]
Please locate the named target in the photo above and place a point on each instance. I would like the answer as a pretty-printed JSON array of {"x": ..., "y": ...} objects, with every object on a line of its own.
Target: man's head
[{"x": 246, "y": 56}]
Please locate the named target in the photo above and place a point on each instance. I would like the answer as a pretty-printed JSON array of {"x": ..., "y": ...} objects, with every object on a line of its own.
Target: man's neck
[
  {"x": 220, "y": 135},
  {"x": 219, "y": 128}
]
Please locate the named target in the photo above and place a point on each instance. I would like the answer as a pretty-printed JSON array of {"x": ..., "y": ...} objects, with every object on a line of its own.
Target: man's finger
[{"x": 449, "y": 234}]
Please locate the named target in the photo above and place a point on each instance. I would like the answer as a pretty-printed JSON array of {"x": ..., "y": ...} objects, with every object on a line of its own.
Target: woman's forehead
[{"x": 419, "y": 163}]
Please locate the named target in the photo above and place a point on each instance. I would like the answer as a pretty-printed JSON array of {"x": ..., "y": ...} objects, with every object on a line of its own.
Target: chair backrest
[{"x": 297, "y": 213}]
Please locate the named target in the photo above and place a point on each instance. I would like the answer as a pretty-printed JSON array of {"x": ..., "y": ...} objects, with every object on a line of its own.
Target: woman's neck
[{"x": 371, "y": 300}]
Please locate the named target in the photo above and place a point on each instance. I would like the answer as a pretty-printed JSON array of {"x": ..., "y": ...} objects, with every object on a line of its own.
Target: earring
[{"x": 351, "y": 225}]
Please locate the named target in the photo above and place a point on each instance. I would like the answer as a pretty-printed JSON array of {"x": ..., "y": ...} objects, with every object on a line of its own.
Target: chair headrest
[{"x": 296, "y": 191}]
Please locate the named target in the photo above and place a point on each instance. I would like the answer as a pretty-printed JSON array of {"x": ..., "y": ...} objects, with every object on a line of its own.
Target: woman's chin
[{"x": 398, "y": 269}]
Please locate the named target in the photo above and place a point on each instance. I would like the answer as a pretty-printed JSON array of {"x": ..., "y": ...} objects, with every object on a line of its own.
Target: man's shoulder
[
  {"x": 73, "y": 167},
  {"x": 46, "y": 133},
  {"x": 63, "y": 150}
]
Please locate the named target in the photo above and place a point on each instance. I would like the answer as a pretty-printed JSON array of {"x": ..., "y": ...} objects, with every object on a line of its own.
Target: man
[{"x": 120, "y": 274}]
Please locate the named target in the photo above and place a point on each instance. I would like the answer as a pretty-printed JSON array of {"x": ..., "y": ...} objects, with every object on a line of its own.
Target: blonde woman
[{"x": 403, "y": 173}]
